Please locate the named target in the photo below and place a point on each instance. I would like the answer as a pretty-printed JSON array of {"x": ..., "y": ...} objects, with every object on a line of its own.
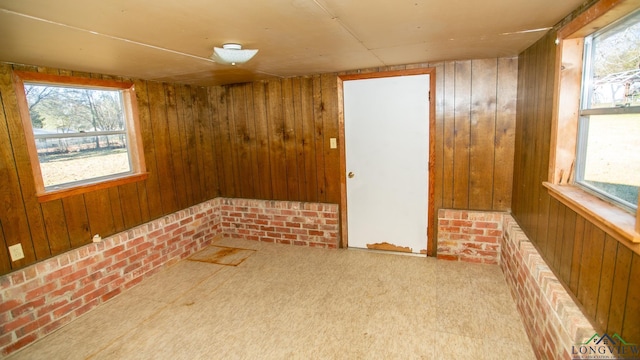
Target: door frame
[{"x": 344, "y": 228}]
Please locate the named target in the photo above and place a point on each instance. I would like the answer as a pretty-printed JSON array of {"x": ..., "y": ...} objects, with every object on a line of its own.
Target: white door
[{"x": 387, "y": 160}]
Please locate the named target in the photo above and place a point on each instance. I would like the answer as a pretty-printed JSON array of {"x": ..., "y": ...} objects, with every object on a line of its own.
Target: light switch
[{"x": 333, "y": 143}]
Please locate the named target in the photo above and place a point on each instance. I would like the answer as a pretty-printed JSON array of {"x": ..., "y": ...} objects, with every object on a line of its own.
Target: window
[
  {"x": 608, "y": 146},
  {"x": 594, "y": 165},
  {"x": 82, "y": 134}
]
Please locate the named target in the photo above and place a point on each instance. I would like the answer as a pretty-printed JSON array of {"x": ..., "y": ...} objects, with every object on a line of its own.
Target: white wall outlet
[
  {"x": 97, "y": 238},
  {"x": 16, "y": 252},
  {"x": 333, "y": 143}
]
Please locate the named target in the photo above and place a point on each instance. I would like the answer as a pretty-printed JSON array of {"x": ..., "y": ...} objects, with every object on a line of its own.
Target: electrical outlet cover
[{"x": 16, "y": 252}]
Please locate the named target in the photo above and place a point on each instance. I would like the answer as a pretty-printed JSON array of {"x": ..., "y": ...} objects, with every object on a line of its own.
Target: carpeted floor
[{"x": 286, "y": 302}]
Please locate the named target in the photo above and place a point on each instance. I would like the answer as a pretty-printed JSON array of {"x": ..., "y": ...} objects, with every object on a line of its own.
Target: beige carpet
[{"x": 286, "y": 302}]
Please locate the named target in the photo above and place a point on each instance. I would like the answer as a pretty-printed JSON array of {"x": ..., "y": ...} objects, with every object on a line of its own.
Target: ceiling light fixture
[{"x": 232, "y": 54}]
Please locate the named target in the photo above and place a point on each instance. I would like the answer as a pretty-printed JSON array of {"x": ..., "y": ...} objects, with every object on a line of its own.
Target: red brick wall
[
  {"x": 41, "y": 298},
  {"x": 471, "y": 236},
  {"x": 551, "y": 318},
  {"x": 282, "y": 222}
]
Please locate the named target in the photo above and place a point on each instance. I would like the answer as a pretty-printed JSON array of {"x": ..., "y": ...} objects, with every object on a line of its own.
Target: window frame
[
  {"x": 620, "y": 223},
  {"x": 134, "y": 146},
  {"x": 586, "y": 112}
]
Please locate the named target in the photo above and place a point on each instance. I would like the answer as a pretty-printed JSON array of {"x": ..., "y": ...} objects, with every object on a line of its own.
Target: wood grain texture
[
  {"x": 505, "y": 133},
  {"x": 271, "y": 140},
  {"x": 462, "y": 134},
  {"x": 630, "y": 328},
  {"x": 448, "y": 134},
  {"x": 484, "y": 78},
  {"x": 619, "y": 290},
  {"x": 264, "y": 189},
  {"x": 595, "y": 266},
  {"x": 167, "y": 115}
]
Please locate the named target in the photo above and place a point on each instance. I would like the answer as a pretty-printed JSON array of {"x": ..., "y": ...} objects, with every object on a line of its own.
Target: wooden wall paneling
[
  {"x": 308, "y": 139},
  {"x": 178, "y": 158},
  {"x": 116, "y": 208},
  {"x": 99, "y": 213},
  {"x": 202, "y": 119},
  {"x": 129, "y": 199},
  {"x": 184, "y": 108},
  {"x": 630, "y": 328},
  {"x": 141, "y": 188},
  {"x": 545, "y": 118},
  {"x": 253, "y": 141},
  {"x": 621, "y": 282},
  {"x": 163, "y": 151},
  {"x": 331, "y": 130},
  {"x": 209, "y": 142},
  {"x": 108, "y": 200},
  {"x": 596, "y": 268},
  {"x": 275, "y": 123},
  {"x": 13, "y": 217},
  {"x": 243, "y": 141},
  {"x": 289, "y": 137},
  {"x": 439, "y": 136},
  {"x": 551, "y": 222},
  {"x": 230, "y": 166},
  {"x": 56, "y": 227},
  {"x": 448, "y": 133},
  {"x": 567, "y": 245},
  {"x": 34, "y": 241},
  {"x": 484, "y": 79},
  {"x": 129, "y": 205},
  {"x": 75, "y": 213},
  {"x": 209, "y": 114},
  {"x": 505, "y": 133},
  {"x": 578, "y": 242},
  {"x": 556, "y": 259},
  {"x": 541, "y": 199},
  {"x": 461, "y": 135},
  {"x": 318, "y": 108},
  {"x": 300, "y": 138},
  {"x": 606, "y": 281},
  {"x": 518, "y": 202},
  {"x": 528, "y": 152},
  {"x": 590, "y": 268},
  {"x": 53, "y": 212},
  {"x": 149, "y": 190},
  {"x": 263, "y": 158},
  {"x": 5, "y": 261}
]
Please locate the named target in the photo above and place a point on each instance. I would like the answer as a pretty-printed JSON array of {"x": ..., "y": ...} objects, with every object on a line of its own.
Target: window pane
[
  {"x": 612, "y": 156},
  {"x": 615, "y": 65},
  {"x": 77, "y": 159},
  {"x": 59, "y": 109}
]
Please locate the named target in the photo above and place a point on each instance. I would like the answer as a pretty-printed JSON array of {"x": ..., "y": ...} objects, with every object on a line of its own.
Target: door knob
[{"x": 351, "y": 174}]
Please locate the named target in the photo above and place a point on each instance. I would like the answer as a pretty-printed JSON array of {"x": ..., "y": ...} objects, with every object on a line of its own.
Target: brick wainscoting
[
  {"x": 41, "y": 298},
  {"x": 283, "y": 222},
  {"x": 471, "y": 236},
  {"x": 553, "y": 321},
  {"x": 551, "y": 318}
]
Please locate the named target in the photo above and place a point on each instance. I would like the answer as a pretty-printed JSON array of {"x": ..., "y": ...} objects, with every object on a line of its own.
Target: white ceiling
[{"x": 171, "y": 40}]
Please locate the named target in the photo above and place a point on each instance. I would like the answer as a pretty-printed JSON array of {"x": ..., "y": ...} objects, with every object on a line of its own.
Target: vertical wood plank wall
[
  {"x": 597, "y": 269},
  {"x": 178, "y": 147},
  {"x": 261, "y": 140},
  {"x": 475, "y": 132}
]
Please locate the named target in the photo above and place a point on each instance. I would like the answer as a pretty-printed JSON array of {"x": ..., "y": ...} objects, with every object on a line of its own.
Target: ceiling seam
[
  {"x": 107, "y": 36},
  {"x": 345, "y": 27}
]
